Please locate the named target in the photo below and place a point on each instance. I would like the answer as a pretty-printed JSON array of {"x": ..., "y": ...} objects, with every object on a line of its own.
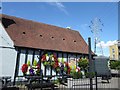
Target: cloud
[
  {"x": 60, "y": 6},
  {"x": 84, "y": 26},
  {"x": 107, "y": 44}
]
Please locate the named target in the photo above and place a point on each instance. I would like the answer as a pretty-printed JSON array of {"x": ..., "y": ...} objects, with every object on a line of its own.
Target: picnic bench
[
  {"x": 35, "y": 82},
  {"x": 5, "y": 80},
  {"x": 6, "y": 83},
  {"x": 63, "y": 79}
]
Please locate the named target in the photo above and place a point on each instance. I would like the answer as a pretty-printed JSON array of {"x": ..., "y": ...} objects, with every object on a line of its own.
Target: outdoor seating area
[
  {"x": 6, "y": 83},
  {"x": 34, "y": 78},
  {"x": 36, "y": 83},
  {"x": 5, "y": 80}
]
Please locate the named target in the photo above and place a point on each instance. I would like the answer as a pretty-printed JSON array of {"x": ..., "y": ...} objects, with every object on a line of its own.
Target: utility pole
[
  {"x": 90, "y": 63},
  {"x": 95, "y": 27}
]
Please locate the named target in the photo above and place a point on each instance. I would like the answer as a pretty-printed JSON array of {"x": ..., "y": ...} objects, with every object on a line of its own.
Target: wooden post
[
  {"x": 26, "y": 56},
  {"x": 57, "y": 58},
  {"x": 45, "y": 71},
  {"x": 33, "y": 56},
  {"x": 67, "y": 62},
  {"x": 51, "y": 67},
  {"x": 40, "y": 59},
  {"x": 76, "y": 60},
  {"x": 17, "y": 65}
]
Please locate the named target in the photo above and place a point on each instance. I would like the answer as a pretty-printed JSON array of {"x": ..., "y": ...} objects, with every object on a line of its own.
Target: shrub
[
  {"x": 115, "y": 65},
  {"x": 90, "y": 74},
  {"x": 83, "y": 63},
  {"x": 76, "y": 75},
  {"x": 118, "y": 67}
]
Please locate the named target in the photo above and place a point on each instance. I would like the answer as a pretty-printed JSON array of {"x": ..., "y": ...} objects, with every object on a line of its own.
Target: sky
[{"x": 76, "y": 15}]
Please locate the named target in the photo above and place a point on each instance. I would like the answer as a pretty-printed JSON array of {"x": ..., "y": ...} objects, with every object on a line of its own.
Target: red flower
[
  {"x": 43, "y": 58},
  {"x": 24, "y": 68},
  {"x": 69, "y": 70},
  {"x": 38, "y": 66},
  {"x": 56, "y": 60},
  {"x": 55, "y": 65},
  {"x": 66, "y": 64},
  {"x": 77, "y": 69}
]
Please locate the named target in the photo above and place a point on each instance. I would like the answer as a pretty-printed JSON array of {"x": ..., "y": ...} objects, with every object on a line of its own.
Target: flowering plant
[
  {"x": 76, "y": 73},
  {"x": 48, "y": 60},
  {"x": 83, "y": 64},
  {"x": 67, "y": 68},
  {"x": 51, "y": 60},
  {"x": 29, "y": 69},
  {"x": 56, "y": 65},
  {"x": 24, "y": 68}
]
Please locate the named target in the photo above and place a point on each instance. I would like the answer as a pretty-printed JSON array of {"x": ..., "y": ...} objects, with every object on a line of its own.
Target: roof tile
[{"x": 27, "y": 33}]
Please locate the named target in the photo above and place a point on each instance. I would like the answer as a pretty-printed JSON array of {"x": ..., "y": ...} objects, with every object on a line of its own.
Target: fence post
[
  {"x": 90, "y": 63},
  {"x": 96, "y": 80}
]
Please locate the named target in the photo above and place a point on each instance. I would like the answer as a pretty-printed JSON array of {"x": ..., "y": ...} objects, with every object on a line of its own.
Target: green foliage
[
  {"x": 56, "y": 81},
  {"x": 59, "y": 60},
  {"x": 58, "y": 69},
  {"x": 52, "y": 63},
  {"x": 51, "y": 56},
  {"x": 115, "y": 65},
  {"x": 76, "y": 75},
  {"x": 83, "y": 63},
  {"x": 118, "y": 67},
  {"x": 73, "y": 67},
  {"x": 45, "y": 63},
  {"x": 28, "y": 62},
  {"x": 62, "y": 61},
  {"x": 38, "y": 72},
  {"x": 46, "y": 54},
  {"x": 65, "y": 69},
  {"x": 90, "y": 74},
  {"x": 35, "y": 63}
]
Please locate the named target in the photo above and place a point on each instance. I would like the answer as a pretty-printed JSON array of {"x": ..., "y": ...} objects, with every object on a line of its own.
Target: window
[
  {"x": 113, "y": 50},
  {"x": 113, "y": 56}
]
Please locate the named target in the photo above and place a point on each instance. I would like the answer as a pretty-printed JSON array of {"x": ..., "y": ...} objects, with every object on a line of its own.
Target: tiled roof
[{"x": 27, "y": 33}]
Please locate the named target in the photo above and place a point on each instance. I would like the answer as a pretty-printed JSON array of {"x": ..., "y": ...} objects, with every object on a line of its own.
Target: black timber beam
[
  {"x": 17, "y": 65},
  {"x": 26, "y": 56}
]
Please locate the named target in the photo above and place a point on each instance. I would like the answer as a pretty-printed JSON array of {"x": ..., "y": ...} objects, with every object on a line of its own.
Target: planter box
[{"x": 79, "y": 83}]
